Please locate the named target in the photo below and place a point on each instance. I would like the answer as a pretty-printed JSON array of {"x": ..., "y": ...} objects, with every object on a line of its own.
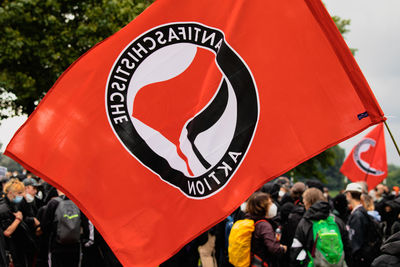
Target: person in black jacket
[
  {"x": 317, "y": 208},
  {"x": 12, "y": 223},
  {"x": 390, "y": 252},
  {"x": 3, "y": 256},
  {"x": 359, "y": 227},
  {"x": 62, "y": 255}
]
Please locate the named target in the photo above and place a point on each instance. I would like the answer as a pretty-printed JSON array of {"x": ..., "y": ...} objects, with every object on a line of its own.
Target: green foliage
[
  {"x": 334, "y": 178},
  {"x": 324, "y": 167},
  {"x": 41, "y": 38},
  {"x": 393, "y": 178},
  {"x": 342, "y": 25}
]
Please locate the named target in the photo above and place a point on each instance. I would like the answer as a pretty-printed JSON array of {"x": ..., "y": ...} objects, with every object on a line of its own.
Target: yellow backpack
[{"x": 240, "y": 242}]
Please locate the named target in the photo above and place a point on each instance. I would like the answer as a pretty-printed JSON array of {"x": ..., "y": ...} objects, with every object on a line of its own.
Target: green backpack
[{"x": 328, "y": 245}]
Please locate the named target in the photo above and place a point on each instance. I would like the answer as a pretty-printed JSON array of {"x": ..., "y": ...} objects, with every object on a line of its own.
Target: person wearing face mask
[
  {"x": 30, "y": 193},
  {"x": 264, "y": 242},
  {"x": 11, "y": 222}
]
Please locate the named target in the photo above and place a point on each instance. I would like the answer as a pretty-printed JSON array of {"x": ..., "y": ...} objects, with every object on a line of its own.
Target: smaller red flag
[{"x": 367, "y": 161}]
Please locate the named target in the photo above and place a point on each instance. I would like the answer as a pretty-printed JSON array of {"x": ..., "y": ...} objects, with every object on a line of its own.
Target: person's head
[
  {"x": 284, "y": 186},
  {"x": 312, "y": 196},
  {"x": 30, "y": 186},
  {"x": 14, "y": 190},
  {"x": 379, "y": 189},
  {"x": 367, "y": 202},
  {"x": 326, "y": 192},
  {"x": 315, "y": 184},
  {"x": 297, "y": 190},
  {"x": 386, "y": 190},
  {"x": 258, "y": 204},
  {"x": 340, "y": 203},
  {"x": 353, "y": 193}
]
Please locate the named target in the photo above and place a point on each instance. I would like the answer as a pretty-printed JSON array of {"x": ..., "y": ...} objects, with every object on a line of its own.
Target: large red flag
[
  {"x": 367, "y": 160},
  {"x": 166, "y": 127}
]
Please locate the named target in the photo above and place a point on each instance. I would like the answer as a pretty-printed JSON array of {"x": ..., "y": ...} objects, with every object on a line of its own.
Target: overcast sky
[{"x": 375, "y": 32}]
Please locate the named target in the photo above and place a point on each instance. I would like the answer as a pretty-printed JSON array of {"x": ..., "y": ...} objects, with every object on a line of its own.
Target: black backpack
[{"x": 68, "y": 219}]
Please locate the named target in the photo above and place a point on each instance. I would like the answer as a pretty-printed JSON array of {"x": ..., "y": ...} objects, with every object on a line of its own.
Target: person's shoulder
[
  {"x": 262, "y": 224},
  {"x": 360, "y": 211},
  {"x": 3, "y": 206},
  {"x": 304, "y": 224},
  {"x": 54, "y": 202}
]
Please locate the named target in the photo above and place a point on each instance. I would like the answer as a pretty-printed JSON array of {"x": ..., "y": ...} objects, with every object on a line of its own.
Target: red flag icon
[
  {"x": 166, "y": 127},
  {"x": 367, "y": 160}
]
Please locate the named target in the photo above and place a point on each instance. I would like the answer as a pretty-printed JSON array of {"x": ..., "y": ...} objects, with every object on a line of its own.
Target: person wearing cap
[
  {"x": 30, "y": 193},
  {"x": 357, "y": 225}
]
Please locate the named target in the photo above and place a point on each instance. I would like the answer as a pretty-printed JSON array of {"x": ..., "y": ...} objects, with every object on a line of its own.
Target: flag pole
[{"x": 394, "y": 141}]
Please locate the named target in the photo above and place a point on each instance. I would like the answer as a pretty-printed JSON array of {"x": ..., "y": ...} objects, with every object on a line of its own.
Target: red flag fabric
[
  {"x": 367, "y": 160},
  {"x": 166, "y": 127}
]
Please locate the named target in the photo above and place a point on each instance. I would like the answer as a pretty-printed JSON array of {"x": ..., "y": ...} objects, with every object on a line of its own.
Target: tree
[
  {"x": 393, "y": 178},
  {"x": 40, "y": 39}
]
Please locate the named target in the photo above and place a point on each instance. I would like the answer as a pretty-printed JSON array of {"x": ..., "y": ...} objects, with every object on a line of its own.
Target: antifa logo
[
  {"x": 203, "y": 147},
  {"x": 364, "y": 146}
]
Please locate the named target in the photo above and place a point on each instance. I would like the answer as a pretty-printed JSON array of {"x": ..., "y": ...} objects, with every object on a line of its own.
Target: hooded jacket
[
  {"x": 390, "y": 252},
  {"x": 304, "y": 237}
]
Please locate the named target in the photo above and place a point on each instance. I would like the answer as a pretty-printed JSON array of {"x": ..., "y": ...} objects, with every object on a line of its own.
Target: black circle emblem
[
  {"x": 363, "y": 146},
  {"x": 215, "y": 141}
]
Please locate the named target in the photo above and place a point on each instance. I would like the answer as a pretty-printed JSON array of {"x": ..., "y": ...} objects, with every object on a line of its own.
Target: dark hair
[
  {"x": 355, "y": 195},
  {"x": 315, "y": 184},
  {"x": 258, "y": 204}
]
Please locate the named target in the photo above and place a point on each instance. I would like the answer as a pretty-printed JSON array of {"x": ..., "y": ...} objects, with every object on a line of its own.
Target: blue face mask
[{"x": 17, "y": 199}]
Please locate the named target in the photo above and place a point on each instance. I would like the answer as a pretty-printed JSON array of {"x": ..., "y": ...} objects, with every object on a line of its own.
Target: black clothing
[
  {"x": 340, "y": 207},
  {"x": 61, "y": 254},
  {"x": 390, "y": 252},
  {"x": 287, "y": 198},
  {"x": 238, "y": 214},
  {"x": 20, "y": 243},
  {"x": 360, "y": 231},
  {"x": 389, "y": 217},
  {"x": 95, "y": 251},
  {"x": 189, "y": 255},
  {"x": 289, "y": 228},
  {"x": 304, "y": 237},
  {"x": 358, "y": 228},
  {"x": 291, "y": 215},
  {"x": 396, "y": 227},
  {"x": 3, "y": 257}
]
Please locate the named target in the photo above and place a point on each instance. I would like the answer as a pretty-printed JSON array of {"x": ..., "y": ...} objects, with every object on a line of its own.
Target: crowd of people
[
  {"x": 296, "y": 224},
  {"x": 302, "y": 225},
  {"x": 41, "y": 227}
]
